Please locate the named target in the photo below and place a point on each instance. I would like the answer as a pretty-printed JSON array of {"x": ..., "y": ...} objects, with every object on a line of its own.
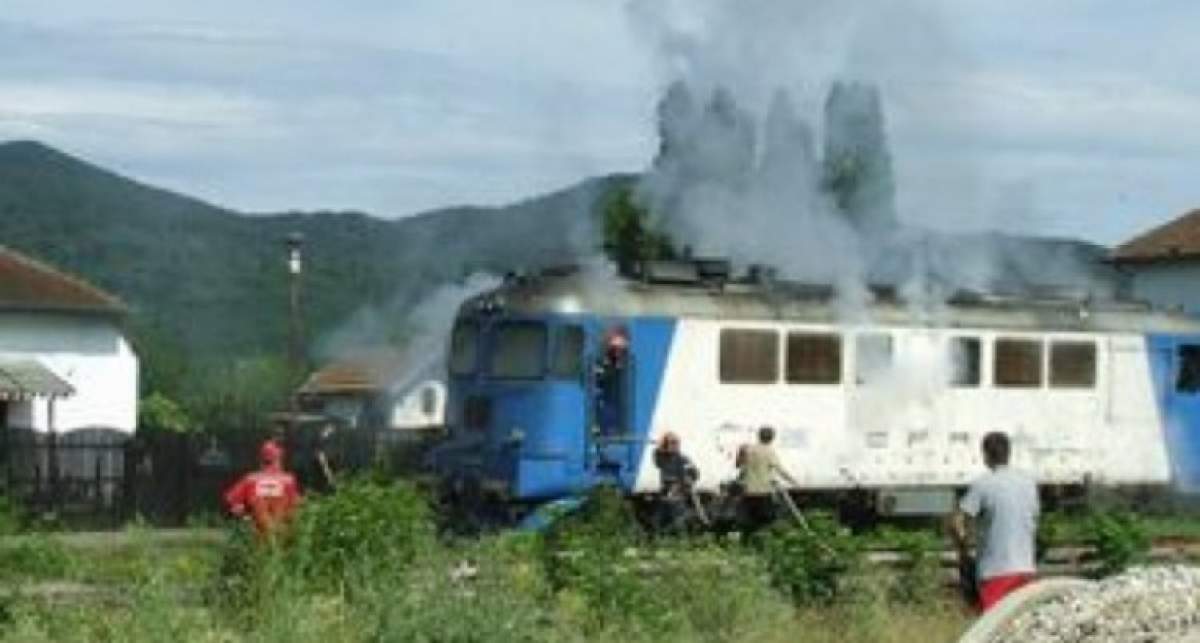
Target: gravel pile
[{"x": 1160, "y": 604}]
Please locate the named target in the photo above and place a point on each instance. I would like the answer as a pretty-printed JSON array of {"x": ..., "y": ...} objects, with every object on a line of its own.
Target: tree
[{"x": 628, "y": 237}]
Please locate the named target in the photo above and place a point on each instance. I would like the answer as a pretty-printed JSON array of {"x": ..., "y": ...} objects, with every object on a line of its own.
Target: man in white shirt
[{"x": 1003, "y": 504}]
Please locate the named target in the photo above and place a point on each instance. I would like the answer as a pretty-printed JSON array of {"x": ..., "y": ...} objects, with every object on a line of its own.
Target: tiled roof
[
  {"x": 28, "y": 284},
  {"x": 1177, "y": 239},
  {"x": 362, "y": 374}
]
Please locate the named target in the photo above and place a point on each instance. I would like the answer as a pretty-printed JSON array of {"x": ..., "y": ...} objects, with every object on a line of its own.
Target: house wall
[
  {"x": 1172, "y": 285},
  {"x": 91, "y": 354}
]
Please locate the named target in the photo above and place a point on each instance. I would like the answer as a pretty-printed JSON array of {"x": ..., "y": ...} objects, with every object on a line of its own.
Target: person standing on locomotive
[
  {"x": 610, "y": 381},
  {"x": 758, "y": 466},
  {"x": 676, "y": 475},
  {"x": 1003, "y": 504}
]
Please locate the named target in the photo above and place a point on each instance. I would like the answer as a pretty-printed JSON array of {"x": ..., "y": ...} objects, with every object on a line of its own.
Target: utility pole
[{"x": 295, "y": 241}]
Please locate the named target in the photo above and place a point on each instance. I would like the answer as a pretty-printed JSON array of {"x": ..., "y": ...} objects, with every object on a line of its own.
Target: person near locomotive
[
  {"x": 1003, "y": 505},
  {"x": 268, "y": 496},
  {"x": 758, "y": 469},
  {"x": 677, "y": 475}
]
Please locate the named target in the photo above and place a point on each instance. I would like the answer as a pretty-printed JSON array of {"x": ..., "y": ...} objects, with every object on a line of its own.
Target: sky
[{"x": 1072, "y": 118}]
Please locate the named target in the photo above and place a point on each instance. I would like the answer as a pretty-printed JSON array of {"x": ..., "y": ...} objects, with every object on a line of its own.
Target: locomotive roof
[{"x": 606, "y": 296}]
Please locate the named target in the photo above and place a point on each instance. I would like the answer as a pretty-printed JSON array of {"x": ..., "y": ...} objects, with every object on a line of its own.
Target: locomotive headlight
[{"x": 516, "y": 436}]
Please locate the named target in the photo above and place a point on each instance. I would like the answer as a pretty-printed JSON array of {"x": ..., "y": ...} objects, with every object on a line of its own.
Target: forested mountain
[{"x": 205, "y": 282}]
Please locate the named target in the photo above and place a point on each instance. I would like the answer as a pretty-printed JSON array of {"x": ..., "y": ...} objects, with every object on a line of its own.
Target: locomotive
[{"x": 563, "y": 381}]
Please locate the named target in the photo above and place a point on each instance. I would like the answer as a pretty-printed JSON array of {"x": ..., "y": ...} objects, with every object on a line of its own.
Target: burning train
[{"x": 557, "y": 383}]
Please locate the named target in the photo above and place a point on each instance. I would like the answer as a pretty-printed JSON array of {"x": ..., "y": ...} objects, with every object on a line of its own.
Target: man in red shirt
[{"x": 268, "y": 496}]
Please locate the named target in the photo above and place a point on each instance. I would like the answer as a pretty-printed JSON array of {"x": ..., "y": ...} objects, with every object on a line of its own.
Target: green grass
[{"x": 364, "y": 566}]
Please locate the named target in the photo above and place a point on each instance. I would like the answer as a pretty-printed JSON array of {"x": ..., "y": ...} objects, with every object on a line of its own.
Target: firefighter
[
  {"x": 676, "y": 475},
  {"x": 267, "y": 497}
]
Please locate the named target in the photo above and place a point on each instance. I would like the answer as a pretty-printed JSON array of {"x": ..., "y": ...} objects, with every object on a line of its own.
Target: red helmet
[{"x": 270, "y": 452}]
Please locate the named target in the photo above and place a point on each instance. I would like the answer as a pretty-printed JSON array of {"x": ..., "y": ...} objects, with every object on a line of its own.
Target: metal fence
[{"x": 102, "y": 477}]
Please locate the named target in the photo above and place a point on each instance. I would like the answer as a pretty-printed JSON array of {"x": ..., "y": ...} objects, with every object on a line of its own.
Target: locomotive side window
[
  {"x": 519, "y": 351},
  {"x": 1018, "y": 363},
  {"x": 814, "y": 358},
  {"x": 749, "y": 356},
  {"x": 1188, "y": 380},
  {"x": 568, "y": 354},
  {"x": 964, "y": 357},
  {"x": 873, "y": 358},
  {"x": 1072, "y": 365},
  {"x": 464, "y": 348}
]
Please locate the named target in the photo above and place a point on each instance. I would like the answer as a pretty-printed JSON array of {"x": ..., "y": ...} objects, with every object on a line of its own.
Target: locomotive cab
[{"x": 542, "y": 406}]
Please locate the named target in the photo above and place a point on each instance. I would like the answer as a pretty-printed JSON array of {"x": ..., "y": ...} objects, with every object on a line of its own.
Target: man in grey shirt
[{"x": 1004, "y": 507}]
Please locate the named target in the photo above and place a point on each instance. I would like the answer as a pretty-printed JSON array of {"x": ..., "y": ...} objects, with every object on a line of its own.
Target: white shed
[
  {"x": 1163, "y": 264},
  {"x": 65, "y": 362}
]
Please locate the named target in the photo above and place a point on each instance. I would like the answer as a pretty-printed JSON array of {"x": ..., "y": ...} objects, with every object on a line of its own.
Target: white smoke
[
  {"x": 410, "y": 334},
  {"x": 755, "y": 85}
]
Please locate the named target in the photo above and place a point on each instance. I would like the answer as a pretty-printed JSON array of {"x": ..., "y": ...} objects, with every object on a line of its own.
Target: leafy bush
[
  {"x": 1119, "y": 538},
  {"x": 34, "y": 556},
  {"x": 811, "y": 564},
  {"x": 11, "y": 517},
  {"x": 384, "y": 525},
  {"x": 918, "y": 575}
]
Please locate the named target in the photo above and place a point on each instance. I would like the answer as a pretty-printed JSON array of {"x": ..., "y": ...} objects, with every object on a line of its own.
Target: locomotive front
[{"x": 540, "y": 401}]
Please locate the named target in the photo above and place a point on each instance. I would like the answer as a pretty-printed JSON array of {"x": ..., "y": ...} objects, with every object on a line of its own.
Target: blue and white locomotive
[{"x": 560, "y": 382}]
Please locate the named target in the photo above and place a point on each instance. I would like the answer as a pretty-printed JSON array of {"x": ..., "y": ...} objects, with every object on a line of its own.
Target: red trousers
[{"x": 991, "y": 590}]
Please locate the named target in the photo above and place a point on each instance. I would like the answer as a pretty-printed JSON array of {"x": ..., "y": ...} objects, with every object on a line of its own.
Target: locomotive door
[
  {"x": 612, "y": 448},
  {"x": 1176, "y": 363}
]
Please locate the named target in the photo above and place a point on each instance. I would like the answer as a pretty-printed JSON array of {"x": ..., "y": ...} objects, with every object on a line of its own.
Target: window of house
[
  {"x": 519, "y": 351},
  {"x": 872, "y": 358},
  {"x": 749, "y": 356},
  {"x": 1072, "y": 364},
  {"x": 429, "y": 400},
  {"x": 965, "y": 359},
  {"x": 1188, "y": 380},
  {"x": 1018, "y": 363},
  {"x": 814, "y": 358},
  {"x": 568, "y": 354},
  {"x": 464, "y": 348}
]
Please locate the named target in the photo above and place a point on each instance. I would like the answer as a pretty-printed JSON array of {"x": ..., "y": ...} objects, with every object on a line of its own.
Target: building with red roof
[
  {"x": 1163, "y": 264},
  {"x": 65, "y": 362}
]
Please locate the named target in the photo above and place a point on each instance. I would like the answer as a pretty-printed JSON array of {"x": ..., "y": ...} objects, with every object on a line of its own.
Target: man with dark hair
[
  {"x": 677, "y": 475},
  {"x": 1003, "y": 504},
  {"x": 758, "y": 466}
]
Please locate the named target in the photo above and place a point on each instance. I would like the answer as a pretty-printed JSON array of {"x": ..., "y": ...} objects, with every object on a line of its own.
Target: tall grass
[{"x": 366, "y": 565}]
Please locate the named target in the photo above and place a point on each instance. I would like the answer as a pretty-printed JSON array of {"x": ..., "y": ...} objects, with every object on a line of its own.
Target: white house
[
  {"x": 1163, "y": 264},
  {"x": 360, "y": 391},
  {"x": 65, "y": 363}
]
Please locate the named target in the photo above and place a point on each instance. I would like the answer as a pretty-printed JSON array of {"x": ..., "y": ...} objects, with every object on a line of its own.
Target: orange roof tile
[
  {"x": 29, "y": 284},
  {"x": 1176, "y": 239}
]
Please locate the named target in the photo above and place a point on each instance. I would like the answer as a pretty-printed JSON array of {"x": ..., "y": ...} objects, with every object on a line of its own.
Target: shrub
[
  {"x": 384, "y": 525},
  {"x": 34, "y": 556},
  {"x": 918, "y": 575},
  {"x": 811, "y": 564},
  {"x": 1119, "y": 539},
  {"x": 11, "y": 517}
]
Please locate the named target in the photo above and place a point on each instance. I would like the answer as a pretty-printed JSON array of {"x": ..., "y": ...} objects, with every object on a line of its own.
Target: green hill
[{"x": 208, "y": 283}]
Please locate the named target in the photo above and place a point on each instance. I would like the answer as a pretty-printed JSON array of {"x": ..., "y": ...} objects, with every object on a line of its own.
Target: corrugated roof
[
  {"x": 25, "y": 379},
  {"x": 1177, "y": 239},
  {"x": 29, "y": 284}
]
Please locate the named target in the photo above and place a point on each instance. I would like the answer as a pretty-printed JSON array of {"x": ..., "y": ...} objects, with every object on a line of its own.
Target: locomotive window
[
  {"x": 749, "y": 356},
  {"x": 873, "y": 358},
  {"x": 568, "y": 354},
  {"x": 464, "y": 348},
  {"x": 1072, "y": 364},
  {"x": 1018, "y": 363},
  {"x": 964, "y": 362},
  {"x": 519, "y": 351},
  {"x": 814, "y": 358},
  {"x": 1188, "y": 380}
]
